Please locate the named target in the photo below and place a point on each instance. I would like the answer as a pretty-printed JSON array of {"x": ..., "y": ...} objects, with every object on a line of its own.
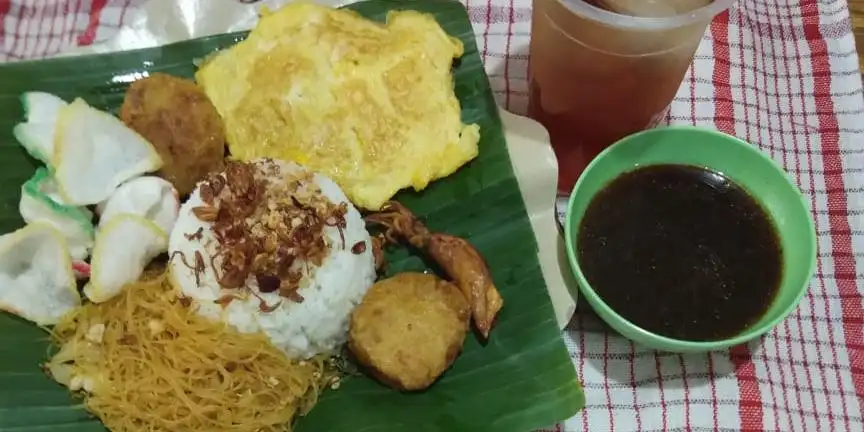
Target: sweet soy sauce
[{"x": 681, "y": 251}]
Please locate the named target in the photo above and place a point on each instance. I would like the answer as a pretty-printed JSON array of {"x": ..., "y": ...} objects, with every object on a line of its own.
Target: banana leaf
[{"x": 520, "y": 380}]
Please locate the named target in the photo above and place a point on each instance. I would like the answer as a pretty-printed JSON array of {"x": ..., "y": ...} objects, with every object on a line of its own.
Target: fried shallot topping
[
  {"x": 269, "y": 226},
  {"x": 197, "y": 235}
]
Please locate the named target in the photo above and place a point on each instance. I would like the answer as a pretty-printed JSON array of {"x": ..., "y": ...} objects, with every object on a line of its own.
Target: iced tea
[{"x": 603, "y": 69}]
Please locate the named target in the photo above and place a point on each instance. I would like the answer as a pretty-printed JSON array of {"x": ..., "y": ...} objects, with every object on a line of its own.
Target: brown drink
[{"x": 604, "y": 70}]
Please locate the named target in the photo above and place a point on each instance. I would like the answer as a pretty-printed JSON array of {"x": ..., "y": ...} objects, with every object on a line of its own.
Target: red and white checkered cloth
[{"x": 779, "y": 73}]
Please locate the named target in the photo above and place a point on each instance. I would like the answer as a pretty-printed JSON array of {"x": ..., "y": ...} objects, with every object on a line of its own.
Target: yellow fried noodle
[{"x": 145, "y": 360}]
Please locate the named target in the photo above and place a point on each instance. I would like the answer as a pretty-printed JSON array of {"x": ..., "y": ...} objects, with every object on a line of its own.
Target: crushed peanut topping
[{"x": 269, "y": 226}]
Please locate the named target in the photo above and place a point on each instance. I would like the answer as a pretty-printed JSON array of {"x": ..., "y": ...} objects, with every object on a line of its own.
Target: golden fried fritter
[
  {"x": 176, "y": 116},
  {"x": 409, "y": 329}
]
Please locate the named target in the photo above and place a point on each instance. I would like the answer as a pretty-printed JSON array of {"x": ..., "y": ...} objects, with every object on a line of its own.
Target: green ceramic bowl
[{"x": 743, "y": 164}]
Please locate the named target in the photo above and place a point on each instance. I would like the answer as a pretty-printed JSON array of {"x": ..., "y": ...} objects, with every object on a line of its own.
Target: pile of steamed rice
[{"x": 318, "y": 324}]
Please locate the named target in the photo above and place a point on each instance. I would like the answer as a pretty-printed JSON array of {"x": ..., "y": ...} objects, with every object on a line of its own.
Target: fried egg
[{"x": 369, "y": 105}]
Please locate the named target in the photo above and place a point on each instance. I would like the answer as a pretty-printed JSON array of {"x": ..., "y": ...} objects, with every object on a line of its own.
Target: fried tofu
[
  {"x": 177, "y": 117},
  {"x": 409, "y": 329}
]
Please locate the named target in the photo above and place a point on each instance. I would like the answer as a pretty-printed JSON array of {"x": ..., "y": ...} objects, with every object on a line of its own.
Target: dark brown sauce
[{"x": 681, "y": 251}]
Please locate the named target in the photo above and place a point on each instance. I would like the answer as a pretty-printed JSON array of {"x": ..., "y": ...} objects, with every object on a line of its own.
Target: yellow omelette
[{"x": 370, "y": 105}]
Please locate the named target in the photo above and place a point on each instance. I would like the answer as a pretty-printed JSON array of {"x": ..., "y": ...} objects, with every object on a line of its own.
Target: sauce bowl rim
[{"x": 654, "y": 340}]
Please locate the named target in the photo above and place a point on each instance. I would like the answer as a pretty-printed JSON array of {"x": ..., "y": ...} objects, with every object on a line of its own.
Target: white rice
[{"x": 317, "y": 325}]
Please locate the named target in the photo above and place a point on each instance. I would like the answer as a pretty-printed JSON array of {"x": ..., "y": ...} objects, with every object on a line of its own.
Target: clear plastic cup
[{"x": 603, "y": 69}]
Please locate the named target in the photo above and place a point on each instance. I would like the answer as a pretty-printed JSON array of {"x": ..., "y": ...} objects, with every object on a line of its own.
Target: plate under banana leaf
[{"x": 521, "y": 379}]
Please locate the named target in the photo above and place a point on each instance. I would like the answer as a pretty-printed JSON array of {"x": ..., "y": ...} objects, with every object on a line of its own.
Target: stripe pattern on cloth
[{"x": 782, "y": 74}]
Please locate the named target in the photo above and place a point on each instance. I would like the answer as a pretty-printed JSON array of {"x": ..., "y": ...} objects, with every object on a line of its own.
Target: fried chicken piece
[
  {"x": 409, "y": 329},
  {"x": 456, "y": 256},
  {"x": 461, "y": 261},
  {"x": 177, "y": 117},
  {"x": 378, "y": 243}
]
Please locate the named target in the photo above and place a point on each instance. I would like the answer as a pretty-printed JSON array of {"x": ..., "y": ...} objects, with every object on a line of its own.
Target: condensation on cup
[{"x": 603, "y": 69}]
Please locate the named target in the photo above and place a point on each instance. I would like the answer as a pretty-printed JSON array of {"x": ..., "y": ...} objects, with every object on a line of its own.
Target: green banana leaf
[{"x": 520, "y": 380}]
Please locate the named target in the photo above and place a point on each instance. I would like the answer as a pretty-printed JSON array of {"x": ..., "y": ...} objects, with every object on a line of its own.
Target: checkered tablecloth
[{"x": 782, "y": 74}]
